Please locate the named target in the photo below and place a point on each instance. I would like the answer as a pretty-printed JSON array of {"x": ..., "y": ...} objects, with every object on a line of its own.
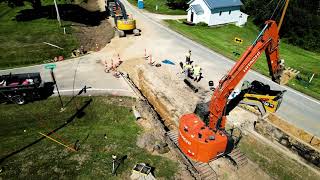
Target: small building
[{"x": 216, "y": 12}]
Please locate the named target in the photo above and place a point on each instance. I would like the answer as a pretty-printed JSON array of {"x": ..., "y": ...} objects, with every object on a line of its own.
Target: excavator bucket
[{"x": 288, "y": 74}]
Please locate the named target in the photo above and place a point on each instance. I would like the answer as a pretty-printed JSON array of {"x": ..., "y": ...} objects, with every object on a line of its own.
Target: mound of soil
[{"x": 93, "y": 38}]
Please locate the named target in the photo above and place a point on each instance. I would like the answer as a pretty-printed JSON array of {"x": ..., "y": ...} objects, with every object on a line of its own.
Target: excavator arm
[{"x": 268, "y": 41}]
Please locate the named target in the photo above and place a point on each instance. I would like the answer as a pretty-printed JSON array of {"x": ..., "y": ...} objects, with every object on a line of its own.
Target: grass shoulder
[
  {"x": 221, "y": 40},
  {"x": 21, "y": 42},
  {"x": 108, "y": 127},
  {"x": 163, "y": 8}
]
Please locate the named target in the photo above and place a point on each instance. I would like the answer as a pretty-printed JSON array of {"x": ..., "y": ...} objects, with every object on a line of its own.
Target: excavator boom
[{"x": 268, "y": 41}]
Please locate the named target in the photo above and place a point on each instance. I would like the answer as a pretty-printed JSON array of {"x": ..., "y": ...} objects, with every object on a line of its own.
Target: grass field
[
  {"x": 221, "y": 40},
  {"x": 273, "y": 162},
  {"x": 21, "y": 43},
  {"x": 150, "y": 5},
  {"x": 47, "y": 159}
]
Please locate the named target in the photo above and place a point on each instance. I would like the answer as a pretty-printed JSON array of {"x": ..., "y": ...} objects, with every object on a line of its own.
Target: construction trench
[
  {"x": 166, "y": 97},
  {"x": 163, "y": 98}
]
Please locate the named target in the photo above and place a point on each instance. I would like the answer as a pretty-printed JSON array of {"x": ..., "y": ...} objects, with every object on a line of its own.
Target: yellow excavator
[{"x": 123, "y": 24}]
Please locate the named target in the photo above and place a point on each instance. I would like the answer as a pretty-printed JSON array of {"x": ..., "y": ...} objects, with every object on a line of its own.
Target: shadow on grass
[
  {"x": 68, "y": 12},
  {"x": 72, "y": 118}
]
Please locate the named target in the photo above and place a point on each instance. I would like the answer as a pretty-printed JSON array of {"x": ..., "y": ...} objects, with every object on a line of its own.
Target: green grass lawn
[
  {"x": 21, "y": 43},
  {"x": 150, "y": 5},
  {"x": 47, "y": 159},
  {"x": 221, "y": 40}
]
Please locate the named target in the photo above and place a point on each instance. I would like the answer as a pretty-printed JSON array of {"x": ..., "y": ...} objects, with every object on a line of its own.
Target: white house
[{"x": 215, "y": 12}]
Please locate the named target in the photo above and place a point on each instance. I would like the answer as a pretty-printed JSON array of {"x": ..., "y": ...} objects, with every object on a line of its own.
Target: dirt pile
[
  {"x": 166, "y": 92},
  {"x": 91, "y": 5},
  {"x": 93, "y": 38}
]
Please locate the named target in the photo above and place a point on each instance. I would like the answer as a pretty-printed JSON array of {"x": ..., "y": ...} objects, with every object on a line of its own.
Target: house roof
[
  {"x": 197, "y": 8},
  {"x": 220, "y": 3}
]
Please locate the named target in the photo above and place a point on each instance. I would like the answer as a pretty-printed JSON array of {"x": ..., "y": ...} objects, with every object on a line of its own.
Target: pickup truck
[{"x": 23, "y": 88}]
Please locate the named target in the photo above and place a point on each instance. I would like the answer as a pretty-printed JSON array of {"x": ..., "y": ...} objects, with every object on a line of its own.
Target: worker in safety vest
[
  {"x": 187, "y": 70},
  {"x": 197, "y": 73},
  {"x": 188, "y": 57}
]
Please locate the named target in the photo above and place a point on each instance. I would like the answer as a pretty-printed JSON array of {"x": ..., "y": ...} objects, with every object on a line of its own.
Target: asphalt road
[
  {"x": 297, "y": 108},
  {"x": 72, "y": 75}
]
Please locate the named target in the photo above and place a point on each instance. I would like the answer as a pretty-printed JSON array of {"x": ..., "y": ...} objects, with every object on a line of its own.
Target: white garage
[{"x": 216, "y": 12}]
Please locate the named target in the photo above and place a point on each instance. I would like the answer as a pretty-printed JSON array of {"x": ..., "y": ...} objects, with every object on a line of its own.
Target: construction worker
[
  {"x": 187, "y": 70},
  {"x": 197, "y": 73},
  {"x": 188, "y": 57}
]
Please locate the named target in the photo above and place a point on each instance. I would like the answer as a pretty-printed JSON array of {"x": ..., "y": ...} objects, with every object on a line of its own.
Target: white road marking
[{"x": 93, "y": 89}]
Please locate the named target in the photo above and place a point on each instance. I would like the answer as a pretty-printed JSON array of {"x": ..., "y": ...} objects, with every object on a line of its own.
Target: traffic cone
[
  {"x": 97, "y": 47},
  {"x": 112, "y": 63},
  {"x": 119, "y": 57},
  {"x": 150, "y": 59}
]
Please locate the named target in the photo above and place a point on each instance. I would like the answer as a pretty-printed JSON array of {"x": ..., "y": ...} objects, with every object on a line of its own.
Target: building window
[
  {"x": 229, "y": 11},
  {"x": 220, "y": 13}
]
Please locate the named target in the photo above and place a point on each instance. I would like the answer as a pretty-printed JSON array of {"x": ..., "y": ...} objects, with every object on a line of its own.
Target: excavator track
[
  {"x": 238, "y": 158},
  {"x": 204, "y": 170}
]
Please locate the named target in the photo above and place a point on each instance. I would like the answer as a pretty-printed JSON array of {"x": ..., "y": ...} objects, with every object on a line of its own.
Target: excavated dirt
[
  {"x": 93, "y": 38},
  {"x": 160, "y": 88},
  {"x": 295, "y": 132}
]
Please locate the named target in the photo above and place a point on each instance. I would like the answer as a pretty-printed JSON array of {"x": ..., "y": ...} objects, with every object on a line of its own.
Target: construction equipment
[
  {"x": 204, "y": 142},
  {"x": 123, "y": 23},
  {"x": 257, "y": 95}
]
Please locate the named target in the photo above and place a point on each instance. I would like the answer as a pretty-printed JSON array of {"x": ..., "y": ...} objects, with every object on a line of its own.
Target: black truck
[{"x": 23, "y": 88}]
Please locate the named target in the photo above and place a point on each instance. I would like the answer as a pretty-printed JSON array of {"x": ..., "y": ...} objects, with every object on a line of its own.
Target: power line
[{"x": 275, "y": 10}]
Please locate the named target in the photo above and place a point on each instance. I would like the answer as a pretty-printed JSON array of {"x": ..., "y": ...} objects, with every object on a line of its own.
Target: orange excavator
[{"x": 203, "y": 141}]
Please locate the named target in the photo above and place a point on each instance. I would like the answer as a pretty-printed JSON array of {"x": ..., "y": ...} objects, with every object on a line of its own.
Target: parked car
[{"x": 23, "y": 88}]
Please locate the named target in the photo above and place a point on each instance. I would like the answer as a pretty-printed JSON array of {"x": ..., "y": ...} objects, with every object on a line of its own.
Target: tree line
[{"x": 301, "y": 25}]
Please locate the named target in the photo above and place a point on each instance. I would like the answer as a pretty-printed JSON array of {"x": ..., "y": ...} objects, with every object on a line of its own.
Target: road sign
[
  {"x": 50, "y": 66},
  {"x": 238, "y": 40}
]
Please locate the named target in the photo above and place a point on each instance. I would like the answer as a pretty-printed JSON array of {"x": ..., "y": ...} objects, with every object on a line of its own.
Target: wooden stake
[{"x": 311, "y": 78}]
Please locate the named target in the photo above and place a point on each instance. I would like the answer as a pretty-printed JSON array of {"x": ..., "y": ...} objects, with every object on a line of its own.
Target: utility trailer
[{"x": 23, "y": 88}]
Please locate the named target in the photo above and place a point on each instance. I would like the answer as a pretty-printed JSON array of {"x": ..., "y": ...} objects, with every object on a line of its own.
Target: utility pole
[
  {"x": 57, "y": 10},
  {"x": 55, "y": 82},
  {"x": 283, "y": 13}
]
